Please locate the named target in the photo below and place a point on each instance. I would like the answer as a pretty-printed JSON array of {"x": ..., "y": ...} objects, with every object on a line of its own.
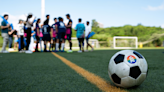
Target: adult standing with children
[{"x": 4, "y": 33}]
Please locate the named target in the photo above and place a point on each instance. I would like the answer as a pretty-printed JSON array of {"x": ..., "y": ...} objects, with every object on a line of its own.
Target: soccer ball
[{"x": 127, "y": 68}]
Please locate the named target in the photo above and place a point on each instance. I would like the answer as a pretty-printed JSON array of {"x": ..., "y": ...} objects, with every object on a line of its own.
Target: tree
[
  {"x": 0, "y": 30},
  {"x": 94, "y": 24}
]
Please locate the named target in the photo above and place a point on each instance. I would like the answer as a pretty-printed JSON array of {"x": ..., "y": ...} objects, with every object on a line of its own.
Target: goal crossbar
[{"x": 125, "y": 37}]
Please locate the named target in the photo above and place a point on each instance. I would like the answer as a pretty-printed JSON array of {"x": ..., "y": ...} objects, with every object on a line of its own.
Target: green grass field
[{"x": 43, "y": 72}]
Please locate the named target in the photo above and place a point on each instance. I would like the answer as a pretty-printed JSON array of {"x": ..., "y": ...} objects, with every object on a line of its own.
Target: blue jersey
[
  {"x": 46, "y": 29},
  {"x": 80, "y": 30},
  {"x": 53, "y": 26},
  {"x": 61, "y": 27}
]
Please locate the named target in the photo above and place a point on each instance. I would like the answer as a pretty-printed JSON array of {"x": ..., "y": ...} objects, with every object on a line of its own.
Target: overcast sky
[{"x": 108, "y": 12}]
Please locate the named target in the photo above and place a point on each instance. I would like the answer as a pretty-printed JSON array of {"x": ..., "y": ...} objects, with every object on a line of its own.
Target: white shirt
[
  {"x": 28, "y": 25},
  {"x": 20, "y": 29},
  {"x": 87, "y": 30}
]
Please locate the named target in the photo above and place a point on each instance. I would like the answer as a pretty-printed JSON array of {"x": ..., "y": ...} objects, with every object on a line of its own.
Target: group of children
[{"x": 55, "y": 34}]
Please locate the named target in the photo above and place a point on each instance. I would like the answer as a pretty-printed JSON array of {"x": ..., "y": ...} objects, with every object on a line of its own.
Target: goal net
[{"x": 125, "y": 42}]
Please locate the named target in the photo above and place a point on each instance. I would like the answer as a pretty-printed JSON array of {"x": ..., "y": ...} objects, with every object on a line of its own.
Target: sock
[
  {"x": 70, "y": 43},
  {"x": 44, "y": 46},
  {"x": 36, "y": 48},
  {"x": 62, "y": 46},
  {"x": 50, "y": 47},
  {"x": 80, "y": 46},
  {"x": 57, "y": 46}
]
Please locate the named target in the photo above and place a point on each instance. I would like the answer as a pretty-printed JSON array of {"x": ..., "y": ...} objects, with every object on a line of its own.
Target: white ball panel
[
  {"x": 141, "y": 78},
  {"x": 111, "y": 67},
  {"x": 143, "y": 65},
  {"x": 128, "y": 82},
  {"x": 122, "y": 70}
]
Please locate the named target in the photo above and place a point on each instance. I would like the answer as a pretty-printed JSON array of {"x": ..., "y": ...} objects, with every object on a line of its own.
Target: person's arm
[
  {"x": 30, "y": 21},
  {"x": 38, "y": 31},
  {"x": 70, "y": 24},
  {"x": 56, "y": 28},
  {"x": 51, "y": 32},
  {"x": 10, "y": 32},
  {"x": 32, "y": 33},
  {"x": 3, "y": 27}
]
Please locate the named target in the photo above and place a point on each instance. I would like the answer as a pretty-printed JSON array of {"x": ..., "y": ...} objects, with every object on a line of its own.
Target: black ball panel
[
  {"x": 135, "y": 72},
  {"x": 137, "y": 54},
  {"x": 116, "y": 79},
  {"x": 119, "y": 59}
]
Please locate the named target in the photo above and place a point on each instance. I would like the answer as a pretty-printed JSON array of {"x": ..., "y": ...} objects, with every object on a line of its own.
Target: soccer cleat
[
  {"x": 69, "y": 51},
  {"x": 79, "y": 51},
  {"x": 92, "y": 49},
  {"x": 29, "y": 52},
  {"x": 4, "y": 51},
  {"x": 56, "y": 51},
  {"x": 86, "y": 50},
  {"x": 62, "y": 51}
]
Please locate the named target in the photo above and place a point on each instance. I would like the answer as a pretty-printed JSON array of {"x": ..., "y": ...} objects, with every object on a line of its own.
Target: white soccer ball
[{"x": 127, "y": 68}]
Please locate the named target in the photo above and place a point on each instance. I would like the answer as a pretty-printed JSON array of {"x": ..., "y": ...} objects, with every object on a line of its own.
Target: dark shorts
[
  {"x": 46, "y": 37},
  {"x": 37, "y": 38},
  {"x": 61, "y": 35},
  {"x": 80, "y": 39},
  {"x": 87, "y": 39},
  {"x": 54, "y": 39},
  {"x": 69, "y": 36}
]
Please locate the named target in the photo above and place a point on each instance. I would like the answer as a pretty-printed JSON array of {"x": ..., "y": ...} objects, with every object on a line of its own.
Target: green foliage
[
  {"x": 0, "y": 30},
  {"x": 94, "y": 23},
  {"x": 142, "y": 32}
]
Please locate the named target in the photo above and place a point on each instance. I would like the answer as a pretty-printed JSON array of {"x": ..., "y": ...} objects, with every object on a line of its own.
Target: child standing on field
[
  {"x": 15, "y": 40},
  {"x": 20, "y": 31}
]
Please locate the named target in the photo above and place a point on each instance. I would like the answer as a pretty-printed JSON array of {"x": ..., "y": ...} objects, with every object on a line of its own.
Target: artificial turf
[{"x": 43, "y": 72}]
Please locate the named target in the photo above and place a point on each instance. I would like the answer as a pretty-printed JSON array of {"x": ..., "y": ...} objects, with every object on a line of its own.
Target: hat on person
[{"x": 20, "y": 20}]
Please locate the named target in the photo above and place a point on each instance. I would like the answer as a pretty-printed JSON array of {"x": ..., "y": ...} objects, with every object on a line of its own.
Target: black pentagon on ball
[
  {"x": 135, "y": 72},
  {"x": 138, "y": 54},
  {"x": 119, "y": 59},
  {"x": 116, "y": 79}
]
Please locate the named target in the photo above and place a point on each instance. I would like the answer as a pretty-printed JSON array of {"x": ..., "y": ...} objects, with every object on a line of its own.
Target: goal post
[{"x": 125, "y": 42}]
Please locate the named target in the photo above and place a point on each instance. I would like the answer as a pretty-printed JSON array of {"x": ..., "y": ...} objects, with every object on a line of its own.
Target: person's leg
[
  {"x": 5, "y": 41},
  {"x": 82, "y": 41},
  {"x": 79, "y": 40},
  {"x": 45, "y": 46},
  {"x": 41, "y": 43},
  {"x": 20, "y": 46},
  {"x": 69, "y": 39},
  {"x": 22, "y": 43},
  {"x": 10, "y": 42},
  {"x": 63, "y": 41},
  {"x": 57, "y": 45},
  {"x": 28, "y": 38},
  {"x": 37, "y": 42},
  {"x": 14, "y": 45}
]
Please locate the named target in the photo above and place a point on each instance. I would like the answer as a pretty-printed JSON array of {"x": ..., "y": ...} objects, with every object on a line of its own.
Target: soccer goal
[
  {"x": 75, "y": 44},
  {"x": 125, "y": 42}
]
